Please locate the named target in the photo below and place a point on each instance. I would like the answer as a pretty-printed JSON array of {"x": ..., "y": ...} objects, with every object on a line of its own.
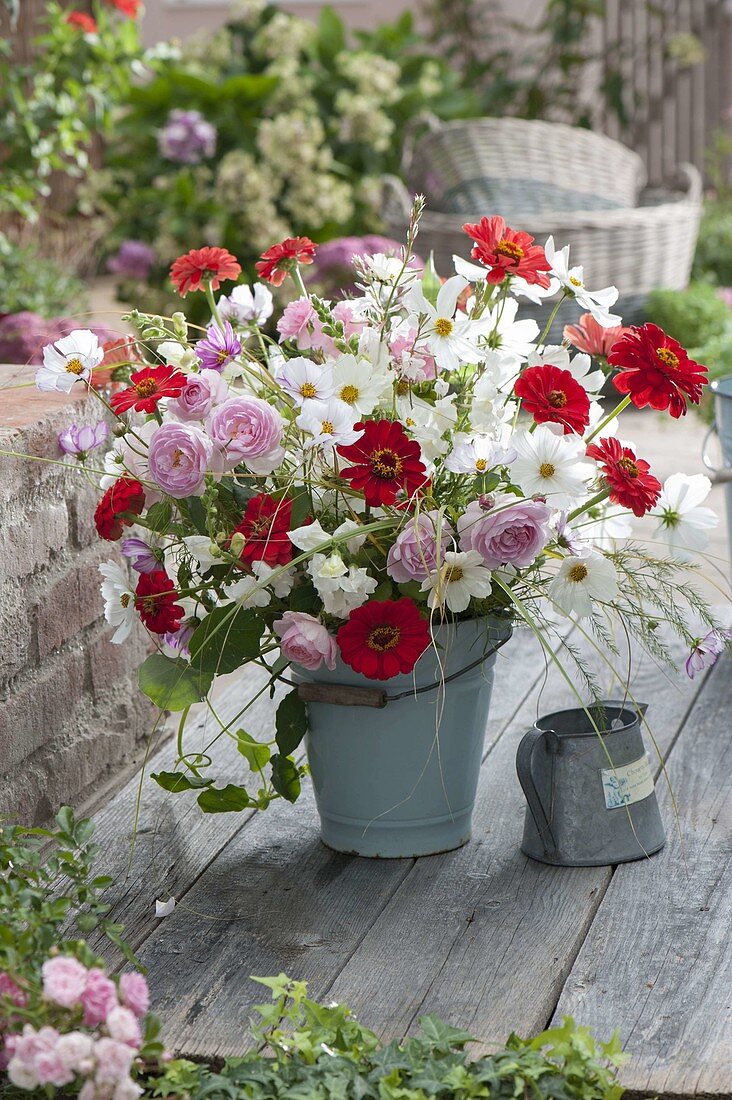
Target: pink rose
[
  {"x": 179, "y": 459},
  {"x": 248, "y": 430},
  {"x": 134, "y": 992},
  {"x": 198, "y": 397},
  {"x": 123, "y": 1026},
  {"x": 300, "y": 322},
  {"x": 50, "y": 1069},
  {"x": 99, "y": 997},
  {"x": 113, "y": 1060},
  {"x": 64, "y": 979},
  {"x": 13, "y": 992},
  {"x": 414, "y": 555},
  {"x": 304, "y": 640},
  {"x": 513, "y": 534},
  {"x": 76, "y": 1051}
]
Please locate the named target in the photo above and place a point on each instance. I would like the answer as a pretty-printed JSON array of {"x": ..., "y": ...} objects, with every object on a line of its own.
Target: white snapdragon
[
  {"x": 340, "y": 587},
  {"x": 247, "y": 305}
]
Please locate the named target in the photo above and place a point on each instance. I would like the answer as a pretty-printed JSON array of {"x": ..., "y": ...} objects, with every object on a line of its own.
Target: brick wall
[{"x": 71, "y": 717}]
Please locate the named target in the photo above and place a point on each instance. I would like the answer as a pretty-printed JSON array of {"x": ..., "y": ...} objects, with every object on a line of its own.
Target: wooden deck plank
[
  {"x": 486, "y": 937},
  {"x": 657, "y": 963}
]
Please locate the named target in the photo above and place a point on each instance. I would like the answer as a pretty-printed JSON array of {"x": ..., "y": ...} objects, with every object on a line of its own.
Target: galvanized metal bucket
[
  {"x": 722, "y": 427},
  {"x": 591, "y": 797},
  {"x": 395, "y": 764}
]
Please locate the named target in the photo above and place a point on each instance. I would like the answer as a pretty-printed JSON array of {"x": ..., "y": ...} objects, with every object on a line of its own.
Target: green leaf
[
  {"x": 285, "y": 778},
  {"x": 439, "y": 1033},
  {"x": 331, "y": 34},
  {"x": 222, "y": 800},
  {"x": 159, "y": 515},
  {"x": 256, "y": 754},
  {"x": 177, "y": 781},
  {"x": 291, "y": 722},
  {"x": 226, "y": 639},
  {"x": 431, "y": 280},
  {"x": 172, "y": 684}
]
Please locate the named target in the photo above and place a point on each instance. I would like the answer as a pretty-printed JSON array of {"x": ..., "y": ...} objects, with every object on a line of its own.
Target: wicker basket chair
[{"x": 550, "y": 179}]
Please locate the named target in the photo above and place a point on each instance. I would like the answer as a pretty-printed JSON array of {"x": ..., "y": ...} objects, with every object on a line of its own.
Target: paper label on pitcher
[{"x": 630, "y": 783}]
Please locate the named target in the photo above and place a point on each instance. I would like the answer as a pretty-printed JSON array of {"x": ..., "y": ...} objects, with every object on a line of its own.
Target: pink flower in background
[
  {"x": 99, "y": 997},
  {"x": 64, "y": 980},
  {"x": 415, "y": 555},
  {"x": 247, "y": 429},
  {"x": 706, "y": 651},
  {"x": 187, "y": 138},
  {"x": 304, "y": 640},
  {"x": 199, "y": 395},
  {"x": 134, "y": 992},
  {"x": 134, "y": 260},
  {"x": 78, "y": 441},
  {"x": 589, "y": 336},
  {"x": 114, "y": 1060},
  {"x": 513, "y": 535},
  {"x": 179, "y": 458},
  {"x": 300, "y": 322}
]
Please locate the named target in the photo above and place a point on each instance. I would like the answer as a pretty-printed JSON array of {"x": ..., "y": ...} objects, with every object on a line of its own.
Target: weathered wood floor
[{"x": 483, "y": 936}]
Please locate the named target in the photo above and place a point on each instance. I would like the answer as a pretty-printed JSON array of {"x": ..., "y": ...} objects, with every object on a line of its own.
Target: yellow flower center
[
  {"x": 383, "y": 638},
  {"x": 74, "y": 366},
  {"x": 147, "y": 387},
  {"x": 349, "y": 394},
  {"x": 578, "y": 572},
  {"x": 125, "y": 599},
  {"x": 557, "y": 399},
  {"x": 402, "y": 387},
  {"x": 481, "y": 465},
  {"x": 443, "y": 326},
  {"x": 453, "y": 573},
  {"x": 327, "y": 427},
  {"x": 386, "y": 463},
  {"x": 177, "y": 456},
  {"x": 628, "y": 467},
  {"x": 511, "y": 249},
  {"x": 409, "y": 422},
  {"x": 668, "y": 358},
  {"x": 307, "y": 389},
  {"x": 547, "y": 469},
  {"x": 575, "y": 281}
]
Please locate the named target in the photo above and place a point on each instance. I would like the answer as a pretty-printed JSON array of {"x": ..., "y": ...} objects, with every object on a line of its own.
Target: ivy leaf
[
  {"x": 437, "y": 1032},
  {"x": 177, "y": 781},
  {"x": 291, "y": 723},
  {"x": 226, "y": 639},
  {"x": 255, "y": 753},
  {"x": 173, "y": 684},
  {"x": 285, "y": 778},
  {"x": 159, "y": 515},
  {"x": 223, "y": 800}
]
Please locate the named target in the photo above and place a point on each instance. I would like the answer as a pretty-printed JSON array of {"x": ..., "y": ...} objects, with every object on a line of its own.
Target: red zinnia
[
  {"x": 124, "y": 495},
  {"x": 505, "y": 251},
  {"x": 553, "y": 396},
  {"x": 281, "y": 258},
  {"x": 264, "y": 527},
  {"x": 201, "y": 265},
  {"x": 383, "y": 638},
  {"x": 148, "y": 386},
  {"x": 385, "y": 461},
  {"x": 84, "y": 22},
  {"x": 155, "y": 598},
  {"x": 589, "y": 336},
  {"x": 655, "y": 370},
  {"x": 628, "y": 477},
  {"x": 127, "y": 7}
]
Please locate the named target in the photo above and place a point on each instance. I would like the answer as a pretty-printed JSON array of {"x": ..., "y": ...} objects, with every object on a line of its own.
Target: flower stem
[
  {"x": 611, "y": 416},
  {"x": 212, "y": 304},
  {"x": 552, "y": 315},
  {"x": 597, "y": 499},
  {"x": 297, "y": 279}
]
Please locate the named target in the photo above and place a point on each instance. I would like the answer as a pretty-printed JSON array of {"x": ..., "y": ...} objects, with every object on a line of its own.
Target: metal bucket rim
[
  {"x": 546, "y": 722},
  {"x": 722, "y": 387}
]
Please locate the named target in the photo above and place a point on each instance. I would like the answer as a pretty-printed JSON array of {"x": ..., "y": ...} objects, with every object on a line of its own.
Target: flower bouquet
[{"x": 364, "y": 504}]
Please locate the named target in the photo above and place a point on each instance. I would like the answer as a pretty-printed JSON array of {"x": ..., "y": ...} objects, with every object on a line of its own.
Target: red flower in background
[
  {"x": 124, "y": 495},
  {"x": 84, "y": 22},
  {"x": 631, "y": 484},
  {"x": 554, "y": 396},
  {"x": 589, "y": 336},
  {"x": 201, "y": 265},
  {"x": 129, "y": 8},
  {"x": 505, "y": 251},
  {"x": 264, "y": 527},
  {"x": 655, "y": 370},
  {"x": 155, "y": 598},
  {"x": 385, "y": 461},
  {"x": 281, "y": 258},
  {"x": 149, "y": 385},
  {"x": 383, "y": 638}
]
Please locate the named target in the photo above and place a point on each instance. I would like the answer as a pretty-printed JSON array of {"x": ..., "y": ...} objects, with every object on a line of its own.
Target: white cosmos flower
[
  {"x": 476, "y": 273},
  {"x": 684, "y": 524},
  {"x": 476, "y": 454},
  {"x": 177, "y": 355},
  {"x": 428, "y": 423},
  {"x": 461, "y": 576},
  {"x": 512, "y": 339},
  {"x": 550, "y": 464},
  {"x": 580, "y": 366},
  {"x": 305, "y": 380},
  {"x": 71, "y": 359},
  {"x": 581, "y": 580},
  {"x": 341, "y": 588},
  {"x": 330, "y": 423},
  {"x": 596, "y": 302},
  {"x": 358, "y": 384},
  {"x": 597, "y": 415},
  {"x": 245, "y": 305},
  {"x": 119, "y": 600},
  {"x": 451, "y": 337}
]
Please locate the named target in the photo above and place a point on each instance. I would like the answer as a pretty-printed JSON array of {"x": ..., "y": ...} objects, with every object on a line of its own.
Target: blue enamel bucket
[{"x": 722, "y": 427}]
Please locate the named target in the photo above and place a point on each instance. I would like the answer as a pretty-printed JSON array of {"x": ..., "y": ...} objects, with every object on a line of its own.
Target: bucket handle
[
  {"x": 524, "y": 758},
  {"x": 350, "y": 695},
  {"x": 719, "y": 474}
]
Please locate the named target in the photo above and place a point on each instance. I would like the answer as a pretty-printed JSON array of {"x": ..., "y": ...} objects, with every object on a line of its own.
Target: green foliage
[
  {"x": 713, "y": 259},
  {"x": 691, "y": 316},
  {"x": 320, "y": 1051},
  {"x": 33, "y": 283},
  {"x": 291, "y": 722}
]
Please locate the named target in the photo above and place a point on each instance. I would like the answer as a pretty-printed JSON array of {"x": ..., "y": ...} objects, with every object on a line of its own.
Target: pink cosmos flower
[
  {"x": 300, "y": 322},
  {"x": 304, "y": 640},
  {"x": 512, "y": 535},
  {"x": 64, "y": 980},
  {"x": 415, "y": 554},
  {"x": 99, "y": 997},
  {"x": 134, "y": 992},
  {"x": 179, "y": 457},
  {"x": 78, "y": 441},
  {"x": 199, "y": 395},
  {"x": 248, "y": 430},
  {"x": 704, "y": 654}
]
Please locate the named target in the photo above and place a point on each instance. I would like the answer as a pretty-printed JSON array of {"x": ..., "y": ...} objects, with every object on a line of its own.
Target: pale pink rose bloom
[
  {"x": 88, "y": 1091},
  {"x": 247, "y": 429},
  {"x": 304, "y": 640},
  {"x": 64, "y": 979},
  {"x": 134, "y": 992},
  {"x": 126, "y": 1089},
  {"x": 13, "y": 992},
  {"x": 50, "y": 1069},
  {"x": 99, "y": 997},
  {"x": 198, "y": 397},
  {"x": 76, "y": 1051},
  {"x": 300, "y": 322},
  {"x": 122, "y": 1025},
  {"x": 414, "y": 555},
  {"x": 113, "y": 1060},
  {"x": 22, "y": 1075},
  {"x": 179, "y": 458},
  {"x": 513, "y": 535}
]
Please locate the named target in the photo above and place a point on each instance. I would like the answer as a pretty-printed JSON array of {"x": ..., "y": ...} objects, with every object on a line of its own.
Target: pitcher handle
[
  {"x": 712, "y": 430},
  {"x": 524, "y": 758}
]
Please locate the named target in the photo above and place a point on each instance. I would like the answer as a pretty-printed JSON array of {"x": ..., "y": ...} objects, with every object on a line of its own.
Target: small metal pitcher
[
  {"x": 591, "y": 797},
  {"x": 721, "y": 427}
]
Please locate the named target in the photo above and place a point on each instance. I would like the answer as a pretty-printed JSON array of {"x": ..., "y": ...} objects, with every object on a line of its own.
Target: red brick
[
  {"x": 35, "y": 712},
  {"x": 70, "y": 603},
  {"x": 32, "y": 540}
]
